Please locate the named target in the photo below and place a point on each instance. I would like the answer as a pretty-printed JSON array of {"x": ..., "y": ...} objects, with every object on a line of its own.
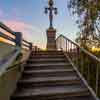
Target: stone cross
[{"x": 50, "y": 9}]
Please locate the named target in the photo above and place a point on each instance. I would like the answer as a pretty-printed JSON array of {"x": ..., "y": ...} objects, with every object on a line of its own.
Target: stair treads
[
  {"x": 48, "y": 79},
  {"x": 47, "y": 59},
  {"x": 49, "y": 64},
  {"x": 88, "y": 97},
  {"x": 78, "y": 98},
  {"x": 47, "y": 56},
  {"x": 73, "y": 90},
  {"x": 50, "y": 76},
  {"x": 50, "y": 70},
  {"x": 32, "y": 67},
  {"x": 49, "y": 52},
  {"x": 48, "y": 73}
]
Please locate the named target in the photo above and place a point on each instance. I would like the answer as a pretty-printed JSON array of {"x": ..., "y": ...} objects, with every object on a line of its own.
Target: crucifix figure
[{"x": 50, "y": 9}]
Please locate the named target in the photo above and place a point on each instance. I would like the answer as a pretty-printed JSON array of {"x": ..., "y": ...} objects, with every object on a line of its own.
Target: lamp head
[
  {"x": 51, "y": 2},
  {"x": 56, "y": 12},
  {"x": 46, "y": 10}
]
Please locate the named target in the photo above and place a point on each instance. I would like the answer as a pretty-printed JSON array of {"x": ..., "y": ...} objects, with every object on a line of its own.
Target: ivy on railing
[{"x": 87, "y": 64}]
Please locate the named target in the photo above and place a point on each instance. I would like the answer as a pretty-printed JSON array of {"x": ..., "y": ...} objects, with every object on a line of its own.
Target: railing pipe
[
  {"x": 30, "y": 46},
  {"x": 85, "y": 51},
  {"x": 84, "y": 61},
  {"x": 7, "y": 37},
  {"x": 3, "y": 26},
  {"x": 18, "y": 36},
  {"x": 26, "y": 41}
]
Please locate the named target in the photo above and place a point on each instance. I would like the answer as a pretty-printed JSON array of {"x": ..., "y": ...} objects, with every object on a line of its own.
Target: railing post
[
  {"x": 60, "y": 44},
  {"x": 30, "y": 46},
  {"x": 66, "y": 46},
  {"x": 78, "y": 57},
  {"x": 71, "y": 48},
  {"x": 87, "y": 64},
  {"x": 18, "y": 39}
]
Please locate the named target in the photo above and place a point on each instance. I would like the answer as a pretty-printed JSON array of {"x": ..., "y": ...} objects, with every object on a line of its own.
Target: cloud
[
  {"x": 29, "y": 32},
  {"x": 19, "y": 26}
]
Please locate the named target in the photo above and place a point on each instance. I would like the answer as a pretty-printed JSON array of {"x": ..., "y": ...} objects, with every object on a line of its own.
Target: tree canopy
[{"x": 88, "y": 14}]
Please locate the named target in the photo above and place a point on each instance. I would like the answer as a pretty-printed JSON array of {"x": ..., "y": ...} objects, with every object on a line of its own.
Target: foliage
[{"x": 88, "y": 14}]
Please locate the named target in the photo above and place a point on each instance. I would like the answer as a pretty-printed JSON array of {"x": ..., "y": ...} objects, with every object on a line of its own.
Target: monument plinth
[
  {"x": 51, "y": 32},
  {"x": 51, "y": 36}
]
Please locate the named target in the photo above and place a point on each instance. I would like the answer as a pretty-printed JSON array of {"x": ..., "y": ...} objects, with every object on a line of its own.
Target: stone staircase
[{"x": 48, "y": 75}]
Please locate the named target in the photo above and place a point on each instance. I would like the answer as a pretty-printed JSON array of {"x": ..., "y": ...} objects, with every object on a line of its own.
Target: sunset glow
[
  {"x": 6, "y": 41},
  {"x": 8, "y": 34},
  {"x": 27, "y": 16}
]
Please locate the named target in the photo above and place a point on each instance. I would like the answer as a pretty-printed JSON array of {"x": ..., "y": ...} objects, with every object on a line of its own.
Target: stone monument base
[{"x": 51, "y": 42}]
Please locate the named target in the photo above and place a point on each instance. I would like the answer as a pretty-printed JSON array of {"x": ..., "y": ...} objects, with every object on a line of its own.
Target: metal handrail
[
  {"x": 19, "y": 43},
  {"x": 14, "y": 66},
  {"x": 10, "y": 70},
  {"x": 7, "y": 37},
  {"x": 84, "y": 50},
  {"x": 6, "y": 62},
  {"x": 85, "y": 61},
  {"x": 27, "y": 44},
  {"x": 19, "y": 63},
  {"x": 18, "y": 36},
  {"x": 26, "y": 41},
  {"x": 6, "y": 28}
]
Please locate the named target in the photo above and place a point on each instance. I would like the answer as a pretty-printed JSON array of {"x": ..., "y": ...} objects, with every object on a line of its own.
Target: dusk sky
[{"x": 27, "y": 16}]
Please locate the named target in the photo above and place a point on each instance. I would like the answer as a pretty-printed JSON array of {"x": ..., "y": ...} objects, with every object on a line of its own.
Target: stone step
[
  {"x": 48, "y": 81},
  {"x": 87, "y": 97},
  {"x": 51, "y": 92},
  {"x": 48, "y": 66},
  {"x": 49, "y": 73},
  {"x": 48, "y": 76},
  {"x": 46, "y": 60},
  {"x": 47, "y": 56},
  {"x": 48, "y": 52}
]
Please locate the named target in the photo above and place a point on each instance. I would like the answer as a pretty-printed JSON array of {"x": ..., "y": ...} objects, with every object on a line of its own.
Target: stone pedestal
[{"x": 51, "y": 35}]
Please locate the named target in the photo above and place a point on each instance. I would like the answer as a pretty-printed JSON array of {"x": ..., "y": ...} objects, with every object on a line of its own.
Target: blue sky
[{"x": 28, "y": 17}]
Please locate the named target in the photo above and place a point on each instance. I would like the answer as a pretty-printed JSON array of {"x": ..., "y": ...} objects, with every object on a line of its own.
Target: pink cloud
[
  {"x": 30, "y": 32},
  {"x": 17, "y": 25}
]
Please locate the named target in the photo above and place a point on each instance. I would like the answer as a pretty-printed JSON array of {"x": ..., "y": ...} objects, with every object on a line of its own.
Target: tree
[{"x": 88, "y": 14}]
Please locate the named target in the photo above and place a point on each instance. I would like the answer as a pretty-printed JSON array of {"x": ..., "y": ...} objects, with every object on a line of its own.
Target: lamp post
[
  {"x": 51, "y": 32},
  {"x": 51, "y": 10}
]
